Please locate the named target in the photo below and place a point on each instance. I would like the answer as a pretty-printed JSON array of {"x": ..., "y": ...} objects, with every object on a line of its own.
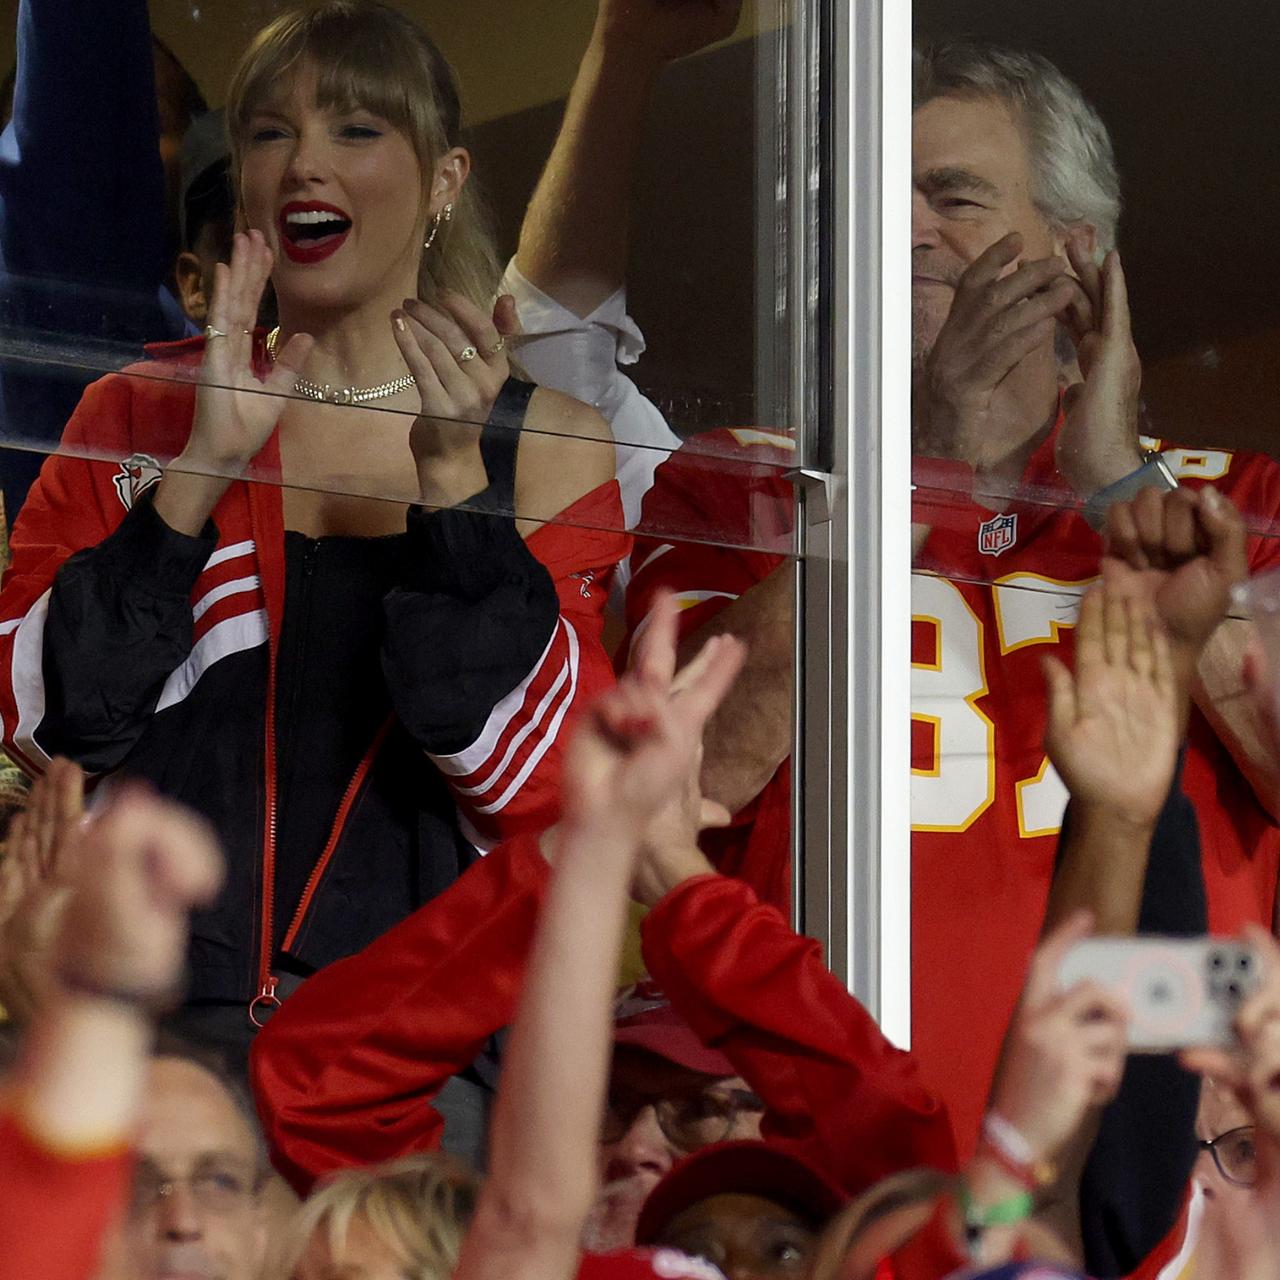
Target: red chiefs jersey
[{"x": 993, "y": 593}]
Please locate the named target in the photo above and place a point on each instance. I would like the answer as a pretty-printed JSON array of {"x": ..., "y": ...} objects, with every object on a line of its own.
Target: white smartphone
[{"x": 1183, "y": 992}]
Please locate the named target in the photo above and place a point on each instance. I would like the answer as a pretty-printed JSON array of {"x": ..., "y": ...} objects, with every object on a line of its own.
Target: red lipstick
[{"x": 311, "y": 231}]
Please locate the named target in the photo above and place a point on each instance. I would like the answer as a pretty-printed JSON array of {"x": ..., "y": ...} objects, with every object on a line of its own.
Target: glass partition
[{"x": 664, "y": 282}]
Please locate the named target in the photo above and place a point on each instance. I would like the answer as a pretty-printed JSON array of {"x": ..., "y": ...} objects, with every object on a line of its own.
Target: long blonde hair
[
  {"x": 369, "y": 56},
  {"x": 418, "y": 1206}
]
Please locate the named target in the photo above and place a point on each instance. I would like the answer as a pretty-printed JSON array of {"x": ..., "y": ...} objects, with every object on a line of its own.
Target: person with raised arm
[
  {"x": 72, "y": 1100},
  {"x": 346, "y": 1071},
  {"x": 629, "y": 756},
  {"x": 568, "y": 277}
]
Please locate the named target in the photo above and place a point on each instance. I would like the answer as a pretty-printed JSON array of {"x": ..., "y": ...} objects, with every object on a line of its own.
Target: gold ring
[
  {"x": 467, "y": 353},
  {"x": 497, "y": 346}
]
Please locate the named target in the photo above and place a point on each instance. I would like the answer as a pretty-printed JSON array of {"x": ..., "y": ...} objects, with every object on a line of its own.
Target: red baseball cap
[
  {"x": 747, "y": 1168},
  {"x": 663, "y": 1031}
]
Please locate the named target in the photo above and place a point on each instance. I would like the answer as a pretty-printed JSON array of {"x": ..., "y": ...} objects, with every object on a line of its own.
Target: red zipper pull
[{"x": 267, "y": 998}]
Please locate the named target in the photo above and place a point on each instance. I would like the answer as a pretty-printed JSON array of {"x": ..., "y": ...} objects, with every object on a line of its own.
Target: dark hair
[
  {"x": 209, "y": 201},
  {"x": 368, "y": 55},
  {"x": 169, "y": 1045}
]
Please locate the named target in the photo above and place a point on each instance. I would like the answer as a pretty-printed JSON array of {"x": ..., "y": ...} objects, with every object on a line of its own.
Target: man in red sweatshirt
[{"x": 345, "y": 1071}]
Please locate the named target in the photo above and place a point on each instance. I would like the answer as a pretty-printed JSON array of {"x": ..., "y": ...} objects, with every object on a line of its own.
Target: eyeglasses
[
  {"x": 687, "y": 1121},
  {"x": 217, "y": 1188},
  {"x": 1233, "y": 1154}
]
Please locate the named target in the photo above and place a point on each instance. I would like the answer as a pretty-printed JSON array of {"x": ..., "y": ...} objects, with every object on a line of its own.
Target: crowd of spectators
[{"x": 333, "y": 813}]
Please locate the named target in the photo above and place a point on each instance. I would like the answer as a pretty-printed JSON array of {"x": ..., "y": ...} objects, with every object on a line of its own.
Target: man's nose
[
  {"x": 924, "y": 221},
  {"x": 644, "y": 1145},
  {"x": 179, "y": 1216}
]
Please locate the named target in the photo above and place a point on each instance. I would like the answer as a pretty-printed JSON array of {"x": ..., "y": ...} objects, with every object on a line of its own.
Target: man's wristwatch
[{"x": 1153, "y": 474}]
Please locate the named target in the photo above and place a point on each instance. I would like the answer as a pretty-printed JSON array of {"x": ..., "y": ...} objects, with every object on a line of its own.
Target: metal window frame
[{"x": 851, "y": 147}]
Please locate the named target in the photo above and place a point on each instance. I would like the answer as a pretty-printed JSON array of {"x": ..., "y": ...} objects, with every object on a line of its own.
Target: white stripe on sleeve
[{"x": 27, "y": 674}]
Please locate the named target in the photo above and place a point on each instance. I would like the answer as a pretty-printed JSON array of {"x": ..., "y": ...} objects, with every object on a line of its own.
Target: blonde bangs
[{"x": 366, "y": 57}]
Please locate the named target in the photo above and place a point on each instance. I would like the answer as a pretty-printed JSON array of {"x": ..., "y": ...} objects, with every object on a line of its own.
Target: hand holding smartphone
[{"x": 1182, "y": 992}]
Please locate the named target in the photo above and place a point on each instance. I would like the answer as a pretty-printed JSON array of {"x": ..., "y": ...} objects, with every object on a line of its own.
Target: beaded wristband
[
  {"x": 1013, "y": 1153},
  {"x": 1004, "y": 1213}
]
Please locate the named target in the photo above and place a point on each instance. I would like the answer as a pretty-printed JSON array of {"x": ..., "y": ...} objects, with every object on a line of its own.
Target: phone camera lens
[
  {"x": 1217, "y": 960},
  {"x": 1234, "y": 990},
  {"x": 1244, "y": 962}
]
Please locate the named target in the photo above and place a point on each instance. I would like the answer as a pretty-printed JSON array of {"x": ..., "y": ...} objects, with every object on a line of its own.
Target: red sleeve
[
  {"x": 55, "y": 1210},
  {"x": 1253, "y": 484},
  {"x": 507, "y": 781},
  {"x": 345, "y": 1070},
  {"x": 752, "y": 987},
  {"x": 67, "y": 509}
]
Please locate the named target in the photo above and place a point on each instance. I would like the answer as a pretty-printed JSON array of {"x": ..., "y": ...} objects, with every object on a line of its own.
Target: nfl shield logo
[{"x": 997, "y": 534}]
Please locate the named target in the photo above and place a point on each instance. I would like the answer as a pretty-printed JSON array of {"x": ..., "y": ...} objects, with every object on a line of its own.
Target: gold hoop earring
[{"x": 446, "y": 215}]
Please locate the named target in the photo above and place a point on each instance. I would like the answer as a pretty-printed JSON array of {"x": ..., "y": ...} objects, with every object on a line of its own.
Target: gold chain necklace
[{"x": 340, "y": 395}]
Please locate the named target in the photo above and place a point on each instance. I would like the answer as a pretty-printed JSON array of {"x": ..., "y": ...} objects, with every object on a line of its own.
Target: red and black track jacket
[{"x": 126, "y": 645}]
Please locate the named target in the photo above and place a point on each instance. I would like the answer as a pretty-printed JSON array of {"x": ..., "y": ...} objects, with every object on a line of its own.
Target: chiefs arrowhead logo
[{"x": 138, "y": 472}]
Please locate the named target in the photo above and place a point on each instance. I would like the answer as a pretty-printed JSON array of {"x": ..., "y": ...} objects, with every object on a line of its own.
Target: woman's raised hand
[
  {"x": 234, "y": 418},
  {"x": 637, "y": 745},
  {"x": 458, "y": 359},
  {"x": 1065, "y": 1051},
  {"x": 235, "y": 412},
  {"x": 38, "y": 865}
]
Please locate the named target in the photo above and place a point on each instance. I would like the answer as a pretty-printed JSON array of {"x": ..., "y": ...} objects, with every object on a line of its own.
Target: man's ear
[
  {"x": 189, "y": 279},
  {"x": 1086, "y": 235}
]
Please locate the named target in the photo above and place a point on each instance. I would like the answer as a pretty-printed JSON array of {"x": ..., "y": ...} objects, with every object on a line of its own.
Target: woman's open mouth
[{"x": 311, "y": 231}]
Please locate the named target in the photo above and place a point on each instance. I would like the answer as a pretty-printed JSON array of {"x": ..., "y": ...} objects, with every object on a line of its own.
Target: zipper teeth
[
  {"x": 339, "y": 821},
  {"x": 265, "y": 982}
]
